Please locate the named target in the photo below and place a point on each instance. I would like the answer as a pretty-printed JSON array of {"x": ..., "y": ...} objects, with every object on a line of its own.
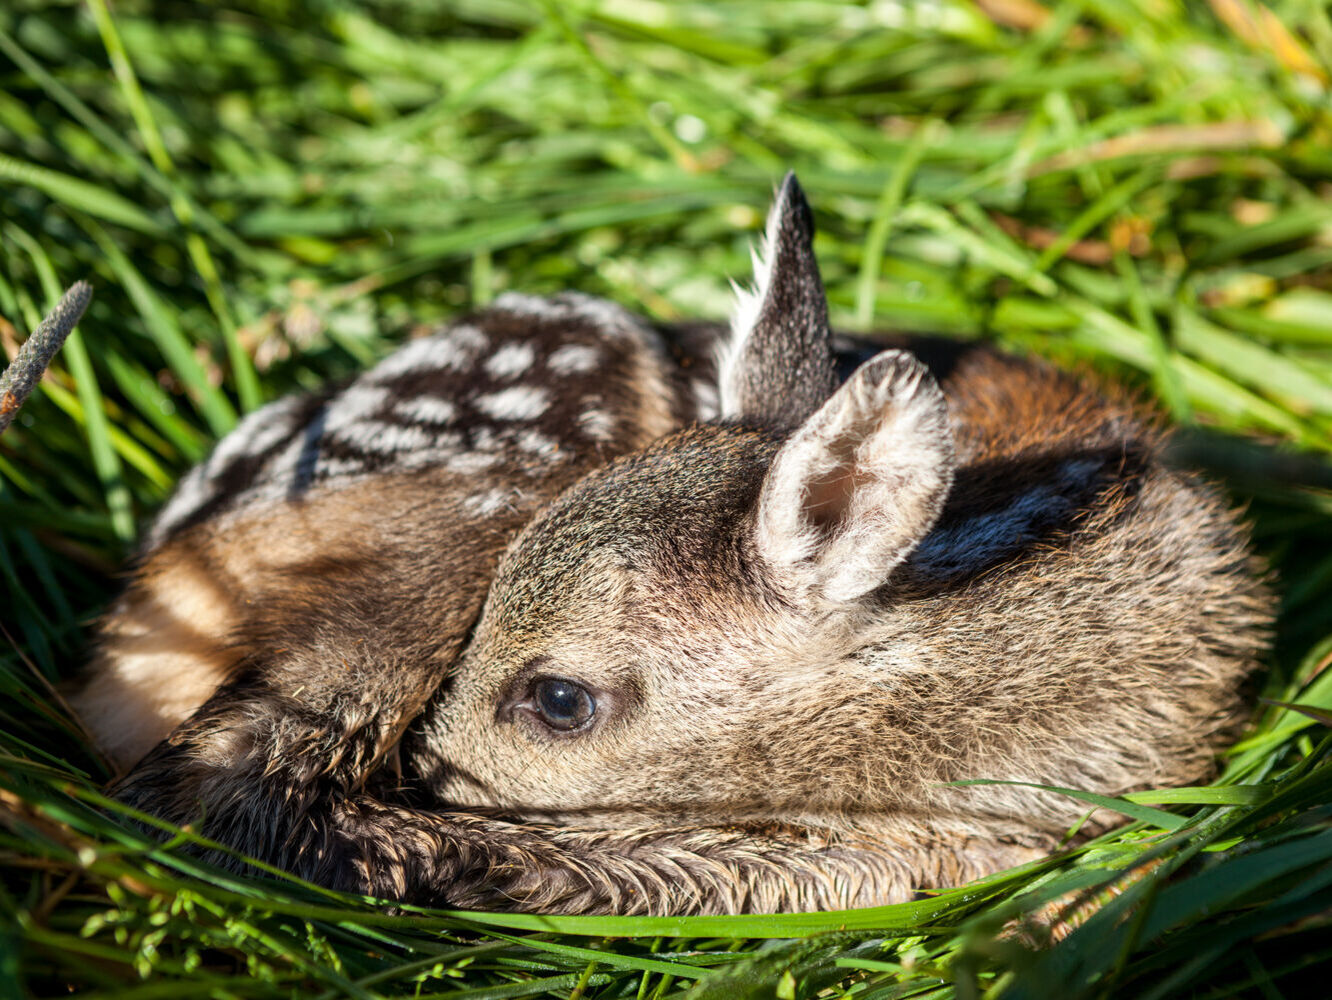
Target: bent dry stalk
[{"x": 23, "y": 374}]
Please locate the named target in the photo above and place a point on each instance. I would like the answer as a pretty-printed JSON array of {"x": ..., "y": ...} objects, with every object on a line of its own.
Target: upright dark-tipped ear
[
  {"x": 777, "y": 366},
  {"x": 860, "y": 484}
]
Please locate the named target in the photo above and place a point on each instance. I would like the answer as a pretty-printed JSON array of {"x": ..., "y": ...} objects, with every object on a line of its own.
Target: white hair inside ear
[
  {"x": 777, "y": 364},
  {"x": 860, "y": 484},
  {"x": 745, "y": 315}
]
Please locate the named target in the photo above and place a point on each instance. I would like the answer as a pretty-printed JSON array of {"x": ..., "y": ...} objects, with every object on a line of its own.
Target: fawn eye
[{"x": 562, "y": 704}]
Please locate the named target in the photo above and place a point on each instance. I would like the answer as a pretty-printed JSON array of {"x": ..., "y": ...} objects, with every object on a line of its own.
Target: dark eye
[{"x": 562, "y": 704}]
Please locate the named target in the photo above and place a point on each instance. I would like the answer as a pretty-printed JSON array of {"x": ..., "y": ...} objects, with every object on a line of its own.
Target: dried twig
[{"x": 21, "y": 377}]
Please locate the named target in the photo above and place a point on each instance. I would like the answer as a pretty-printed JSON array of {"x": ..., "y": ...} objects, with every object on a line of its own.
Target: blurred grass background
[{"x": 266, "y": 195}]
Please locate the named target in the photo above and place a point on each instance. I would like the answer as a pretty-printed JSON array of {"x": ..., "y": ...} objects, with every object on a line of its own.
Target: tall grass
[{"x": 267, "y": 195}]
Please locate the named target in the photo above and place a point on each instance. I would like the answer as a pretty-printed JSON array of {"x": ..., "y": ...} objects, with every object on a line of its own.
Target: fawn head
[
  {"x": 829, "y": 604},
  {"x": 677, "y": 622}
]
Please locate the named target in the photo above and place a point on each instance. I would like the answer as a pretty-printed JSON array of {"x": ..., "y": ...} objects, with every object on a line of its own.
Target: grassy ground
[{"x": 270, "y": 194}]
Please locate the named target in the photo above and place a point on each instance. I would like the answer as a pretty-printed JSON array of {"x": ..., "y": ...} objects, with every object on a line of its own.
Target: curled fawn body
[
  {"x": 735, "y": 664},
  {"x": 306, "y": 589}
]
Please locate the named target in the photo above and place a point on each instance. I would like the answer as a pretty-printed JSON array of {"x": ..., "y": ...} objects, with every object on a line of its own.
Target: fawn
[{"x": 456, "y": 637}]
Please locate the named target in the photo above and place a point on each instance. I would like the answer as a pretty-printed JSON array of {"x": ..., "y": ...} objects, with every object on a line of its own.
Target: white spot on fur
[
  {"x": 609, "y": 318},
  {"x": 597, "y": 424},
  {"x": 382, "y": 438},
  {"x": 254, "y": 435},
  {"x": 522, "y": 402},
  {"x": 472, "y": 461},
  {"x": 574, "y": 359},
  {"x": 455, "y": 348},
  {"x": 450, "y": 441},
  {"x": 429, "y": 354},
  {"x": 467, "y": 338},
  {"x": 487, "y": 503},
  {"x": 485, "y": 439},
  {"x": 536, "y": 443},
  {"x": 284, "y": 463},
  {"x": 445, "y": 448},
  {"x": 522, "y": 304},
  {"x": 356, "y": 403},
  {"x": 510, "y": 361},
  {"x": 331, "y": 468},
  {"x": 427, "y": 410}
]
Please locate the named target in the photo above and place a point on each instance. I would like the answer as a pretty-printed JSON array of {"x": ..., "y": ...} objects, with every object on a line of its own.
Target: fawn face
[{"x": 683, "y": 618}]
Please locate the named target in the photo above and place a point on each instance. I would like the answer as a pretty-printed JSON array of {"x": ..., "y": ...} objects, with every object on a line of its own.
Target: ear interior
[
  {"x": 777, "y": 365},
  {"x": 860, "y": 483}
]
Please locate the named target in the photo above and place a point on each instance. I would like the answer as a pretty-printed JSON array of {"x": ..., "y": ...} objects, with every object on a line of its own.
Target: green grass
[{"x": 269, "y": 195}]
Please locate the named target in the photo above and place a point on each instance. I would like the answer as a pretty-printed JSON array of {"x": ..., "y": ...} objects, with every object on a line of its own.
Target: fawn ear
[
  {"x": 777, "y": 364},
  {"x": 860, "y": 483}
]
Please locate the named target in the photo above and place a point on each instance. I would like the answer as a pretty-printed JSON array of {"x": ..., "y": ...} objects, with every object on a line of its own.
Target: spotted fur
[{"x": 451, "y": 430}]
